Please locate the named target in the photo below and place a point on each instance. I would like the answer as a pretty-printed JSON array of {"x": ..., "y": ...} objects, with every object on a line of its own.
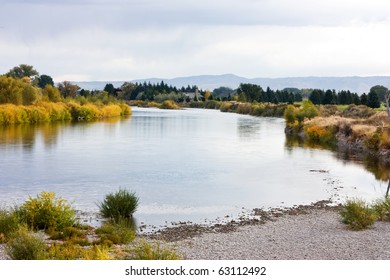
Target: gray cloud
[{"x": 119, "y": 39}]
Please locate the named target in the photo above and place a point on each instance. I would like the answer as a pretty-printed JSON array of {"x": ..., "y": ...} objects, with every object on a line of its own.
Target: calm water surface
[{"x": 185, "y": 165}]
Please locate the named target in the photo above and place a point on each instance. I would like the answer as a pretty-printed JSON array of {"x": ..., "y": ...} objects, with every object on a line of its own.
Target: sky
[{"x": 120, "y": 40}]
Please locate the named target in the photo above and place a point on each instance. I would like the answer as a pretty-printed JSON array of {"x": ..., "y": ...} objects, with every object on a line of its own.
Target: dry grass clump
[
  {"x": 357, "y": 112},
  {"x": 358, "y": 215},
  {"x": 362, "y": 130},
  {"x": 170, "y": 105},
  {"x": 378, "y": 119}
]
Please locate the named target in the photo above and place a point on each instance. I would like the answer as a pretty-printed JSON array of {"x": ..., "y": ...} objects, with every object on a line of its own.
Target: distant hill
[{"x": 353, "y": 83}]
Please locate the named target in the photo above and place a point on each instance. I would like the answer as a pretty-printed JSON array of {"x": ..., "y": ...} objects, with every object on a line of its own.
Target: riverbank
[
  {"x": 315, "y": 235},
  {"x": 312, "y": 232}
]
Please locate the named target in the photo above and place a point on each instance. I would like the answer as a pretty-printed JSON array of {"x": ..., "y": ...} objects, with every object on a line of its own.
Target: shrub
[
  {"x": 382, "y": 209},
  {"x": 68, "y": 233},
  {"x": 116, "y": 233},
  {"x": 110, "y": 111},
  {"x": 308, "y": 110},
  {"x": 385, "y": 139},
  {"x": 328, "y": 110},
  {"x": 318, "y": 134},
  {"x": 244, "y": 108},
  {"x": 357, "y": 214},
  {"x": 169, "y": 104},
  {"x": 372, "y": 141},
  {"x": 47, "y": 212},
  {"x": 357, "y": 112},
  {"x": 257, "y": 109},
  {"x": 26, "y": 245},
  {"x": 147, "y": 251},
  {"x": 64, "y": 251},
  {"x": 226, "y": 106},
  {"x": 211, "y": 104},
  {"x": 121, "y": 204},
  {"x": 9, "y": 223},
  {"x": 37, "y": 114},
  {"x": 96, "y": 253},
  {"x": 290, "y": 114},
  {"x": 125, "y": 109}
]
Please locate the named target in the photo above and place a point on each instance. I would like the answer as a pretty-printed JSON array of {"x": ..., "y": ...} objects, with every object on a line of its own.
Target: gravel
[{"x": 318, "y": 235}]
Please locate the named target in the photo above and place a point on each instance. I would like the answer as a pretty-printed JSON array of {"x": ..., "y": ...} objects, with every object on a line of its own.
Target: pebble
[{"x": 318, "y": 235}]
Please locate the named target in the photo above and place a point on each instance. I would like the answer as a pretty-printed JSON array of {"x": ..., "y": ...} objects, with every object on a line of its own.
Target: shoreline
[
  {"x": 315, "y": 235},
  {"x": 305, "y": 232}
]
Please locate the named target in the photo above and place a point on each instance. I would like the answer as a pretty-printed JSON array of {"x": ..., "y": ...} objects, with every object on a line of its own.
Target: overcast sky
[{"x": 85, "y": 40}]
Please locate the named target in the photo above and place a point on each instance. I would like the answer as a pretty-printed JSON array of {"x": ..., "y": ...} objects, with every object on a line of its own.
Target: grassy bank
[
  {"x": 45, "y": 228},
  {"x": 253, "y": 109},
  {"x": 355, "y": 128},
  {"x": 59, "y": 111}
]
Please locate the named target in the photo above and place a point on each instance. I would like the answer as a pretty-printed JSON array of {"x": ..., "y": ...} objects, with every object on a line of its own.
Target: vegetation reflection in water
[{"x": 372, "y": 164}]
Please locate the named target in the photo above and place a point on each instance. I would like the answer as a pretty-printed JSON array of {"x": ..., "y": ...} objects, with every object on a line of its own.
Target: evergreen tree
[
  {"x": 316, "y": 96},
  {"x": 44, "y": 80},
  {"x": 373, "y": 99},
  {"x": 363, "y": 99}
]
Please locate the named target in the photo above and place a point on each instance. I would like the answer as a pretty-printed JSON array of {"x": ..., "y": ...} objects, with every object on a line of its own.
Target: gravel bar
[
  {"x": 316, "y": 235},
  {"x": 313, "y": 234}
]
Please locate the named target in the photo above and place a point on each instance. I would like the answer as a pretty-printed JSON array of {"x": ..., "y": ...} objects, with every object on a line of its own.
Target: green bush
[
  {"x": 71, "y": 251},
  {"x": 47, "y": 212},
  {"x": 119, "y": 205},
  {"x": 382, "y": 209},
  {"x": 169, "y": 104},
  {"x": 68, "y": 233},
  {"x": 9, "y": 223},
  {"x": 357, "y": 214},
  {"x": 26, "y": 245},
  {"x": 225, "y": 106},
  {"x": 147, "y": 251},
  {"x": 115, "y": 233}
]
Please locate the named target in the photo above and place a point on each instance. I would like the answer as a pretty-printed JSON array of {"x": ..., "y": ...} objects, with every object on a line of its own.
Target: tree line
[{"x": 26, "y": 76}]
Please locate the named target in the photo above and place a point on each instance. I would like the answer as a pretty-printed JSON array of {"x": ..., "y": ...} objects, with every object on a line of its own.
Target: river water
[{"x": 185, "y": 165}]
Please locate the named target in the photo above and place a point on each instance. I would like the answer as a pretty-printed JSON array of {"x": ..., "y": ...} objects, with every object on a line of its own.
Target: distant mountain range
[{"x": 353, "y": 83}]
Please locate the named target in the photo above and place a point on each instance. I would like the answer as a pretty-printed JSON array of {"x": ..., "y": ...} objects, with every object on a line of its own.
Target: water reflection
[
  {"x": 371, "y": 163},
  {"x": 26, "y": 136},
  {"x": 248, "y": 128}
]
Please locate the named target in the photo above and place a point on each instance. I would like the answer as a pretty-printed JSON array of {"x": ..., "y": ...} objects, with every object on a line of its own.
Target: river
[{"x": 185, "y": 165}]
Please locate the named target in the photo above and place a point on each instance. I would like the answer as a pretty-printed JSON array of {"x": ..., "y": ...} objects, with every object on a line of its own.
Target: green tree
[
  {"x": 110, "y": 89},
  {"x": 21, "y": 71},
  {"x": 29, "y": 94},
  {"x": 363, "y": 99},
  {"x": 373, "y": 99},
  {"x": 381, "y": 91},
  {"x": 222, "y": 92},
  {"x": 51, "y": 93},
  {"x": 44, "y": 80},
  {"x": 129, "y": 91},
  {"x": 16, "y": 91},
  {"x": 251, "y": 92},
  {"x": 328, "y": 97},
  {"x": 11, "y": 90},
  {"x": 316, "y": 96},
  {"x": 67, "y": 89}
]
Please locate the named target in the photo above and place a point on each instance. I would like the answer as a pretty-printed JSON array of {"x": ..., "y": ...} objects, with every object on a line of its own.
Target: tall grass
[
  {"x": 119, "y": 205},
  {"x": 357, "y": 214},
  {"x": 169, "y": 104},
  {"x": 148, "y": 251},
  {"x": 9, "y": 223},
  {"x": 26, "y": 245}
]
